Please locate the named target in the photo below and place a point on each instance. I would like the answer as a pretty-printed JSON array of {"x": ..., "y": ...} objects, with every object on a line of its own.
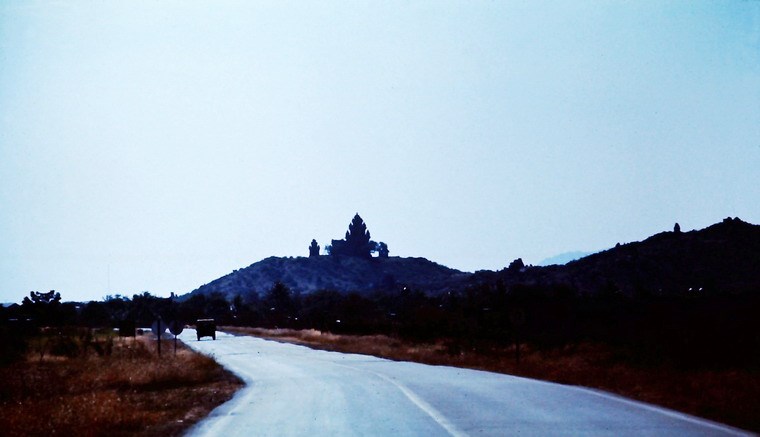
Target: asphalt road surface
[{"x": 296, "y": 391}]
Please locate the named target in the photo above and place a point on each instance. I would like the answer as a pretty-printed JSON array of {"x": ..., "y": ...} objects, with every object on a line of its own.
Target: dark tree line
[
  {"x": 47, "y": 310},
  {"x": 689, "y": 330}
]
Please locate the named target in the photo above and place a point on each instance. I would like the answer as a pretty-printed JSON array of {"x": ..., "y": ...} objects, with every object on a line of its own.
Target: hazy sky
[{"x": 157, "y": 145}]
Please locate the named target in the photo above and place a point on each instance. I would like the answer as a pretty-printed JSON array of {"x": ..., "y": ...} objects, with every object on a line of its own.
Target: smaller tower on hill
[{"x": 313, "y": 249}]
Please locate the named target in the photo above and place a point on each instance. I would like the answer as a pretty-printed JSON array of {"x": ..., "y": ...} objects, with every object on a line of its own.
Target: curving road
[{"x": 296, "y": 391}]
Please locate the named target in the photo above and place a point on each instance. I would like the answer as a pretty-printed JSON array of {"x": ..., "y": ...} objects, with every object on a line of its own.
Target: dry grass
[
  {"x": 729, "y": 396},
  {"x": 131, "y": 392}
]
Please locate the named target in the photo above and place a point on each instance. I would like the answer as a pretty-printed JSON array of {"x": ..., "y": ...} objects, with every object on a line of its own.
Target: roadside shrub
[
  {"x": 64, "y": 346},
  {"x": 13, "y": 345}
]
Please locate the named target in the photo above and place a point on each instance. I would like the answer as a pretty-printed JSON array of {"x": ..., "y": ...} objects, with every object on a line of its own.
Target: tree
[
  {"x": 516, "y": 266},
  {"x": 280, "y": 304},
  {"x": 193, "y": 308},
  {"x": 44, "y": 308},
  {"x": 382, "y": 250},
  {"x": 321, "y": 309},
  {"x": 95, "y": 314},
  {"x": 37, "y": 298},
  {"x": 246, "y": 313},
  {"x": 218, "y": 308},
  {"x": 146, "y": 308},
  {"x": 118, "y": 307}
]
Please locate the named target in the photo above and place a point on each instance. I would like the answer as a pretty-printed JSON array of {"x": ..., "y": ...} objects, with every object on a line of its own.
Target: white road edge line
[
  {"x": 670, "y": 413},
  {"x": 428, "y": 409}
]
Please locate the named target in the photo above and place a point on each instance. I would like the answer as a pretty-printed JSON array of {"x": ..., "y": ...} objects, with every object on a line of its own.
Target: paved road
[{"x": 296, "y": 391}]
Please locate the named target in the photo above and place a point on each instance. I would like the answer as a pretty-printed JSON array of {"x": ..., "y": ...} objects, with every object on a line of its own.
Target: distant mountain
[
  {"x": 339, "y": 273},
  {"x": 563, "y": 258},
  {"x": 722, "y": 258}
]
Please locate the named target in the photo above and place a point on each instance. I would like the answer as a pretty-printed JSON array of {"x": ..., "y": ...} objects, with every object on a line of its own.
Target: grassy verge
[
  {"x": 126, "y": 391},
  {"x": 730, "y": 396}
]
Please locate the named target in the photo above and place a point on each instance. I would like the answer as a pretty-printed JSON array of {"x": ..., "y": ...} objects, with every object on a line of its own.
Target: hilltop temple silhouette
[{"x": 357, "y": 243}]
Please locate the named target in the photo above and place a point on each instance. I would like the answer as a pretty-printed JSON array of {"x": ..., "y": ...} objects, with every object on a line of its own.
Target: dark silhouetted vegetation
[
  {"x": 69, "y": 387},
  {"x": 692, "y": 331}
]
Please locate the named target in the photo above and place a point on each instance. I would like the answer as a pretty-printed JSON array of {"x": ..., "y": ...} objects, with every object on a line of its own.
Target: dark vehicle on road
[{"x": 205, "y": 328}]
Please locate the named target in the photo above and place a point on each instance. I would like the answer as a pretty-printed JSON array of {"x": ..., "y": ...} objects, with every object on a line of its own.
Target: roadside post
[
  {"x": 158, "y": 327},
  {"x": 176, "y": 328},
  {"x": 517, "y": 318}
]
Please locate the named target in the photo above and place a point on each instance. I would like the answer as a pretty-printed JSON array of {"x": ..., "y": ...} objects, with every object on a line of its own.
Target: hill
[
  {"x": 339, "y": 273},
  {"x": 722, "y": 258}
]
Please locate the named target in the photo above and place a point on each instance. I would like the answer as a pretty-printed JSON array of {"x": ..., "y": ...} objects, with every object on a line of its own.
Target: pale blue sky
[{"x": 157, "y": 145}]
